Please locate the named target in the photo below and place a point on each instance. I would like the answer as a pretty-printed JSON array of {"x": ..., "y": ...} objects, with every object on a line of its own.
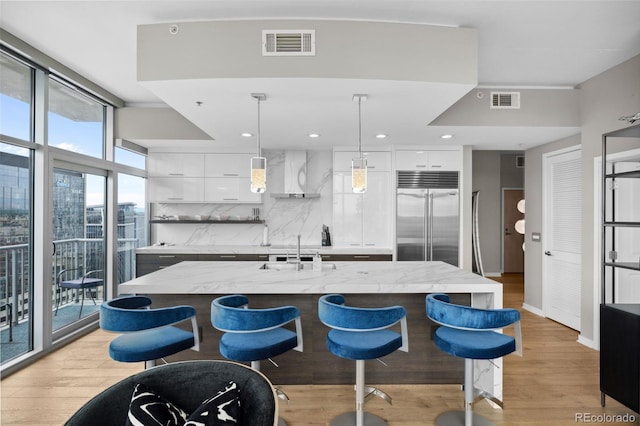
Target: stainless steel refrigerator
[{"x": 428, "y": 217}]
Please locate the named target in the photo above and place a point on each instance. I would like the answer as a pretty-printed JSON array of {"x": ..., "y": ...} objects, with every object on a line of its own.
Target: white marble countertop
[
  {"x": 348, "y": 277},
  {"x": 248, "y": 249}
]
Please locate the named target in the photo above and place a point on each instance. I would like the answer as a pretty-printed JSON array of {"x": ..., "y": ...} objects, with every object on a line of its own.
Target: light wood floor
[{"x": 555, "y": 380}]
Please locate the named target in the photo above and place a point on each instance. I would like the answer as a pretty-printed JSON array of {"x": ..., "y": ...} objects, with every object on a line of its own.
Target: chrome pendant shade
[
  {"x": 259, "y": 163},
  {"x": 359, "y": 165}
]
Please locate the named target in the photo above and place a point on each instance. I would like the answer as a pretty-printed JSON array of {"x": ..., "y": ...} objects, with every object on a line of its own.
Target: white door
[{"x": 562, "y": 246}]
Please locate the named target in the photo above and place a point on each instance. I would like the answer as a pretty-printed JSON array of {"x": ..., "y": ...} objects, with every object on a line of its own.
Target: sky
[{"x": 81, "y": 137}]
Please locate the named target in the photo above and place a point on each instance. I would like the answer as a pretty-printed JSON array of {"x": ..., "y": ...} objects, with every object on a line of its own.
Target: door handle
[{"x": 547, "y": 253}]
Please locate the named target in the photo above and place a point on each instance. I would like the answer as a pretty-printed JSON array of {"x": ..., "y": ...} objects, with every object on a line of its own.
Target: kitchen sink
[{"x": 305, "y": 266}]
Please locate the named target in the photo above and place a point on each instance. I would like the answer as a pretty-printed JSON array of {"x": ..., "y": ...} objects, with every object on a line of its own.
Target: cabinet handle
[
  {"x": 354, "y": 244},
  {"x": 436, "y": 166},
  {"x": 175, "y": 198},
  {"x": 361, "y": 257},
  {"x": 227, "y": 256},
  {"x": 369, "y": 244},
  {"x": 176, "y": 174},
  {"x": 229, "y": 174},
  {"x": 421, "y": 165},
  {"x": 371, "y": 167},
  {"x": 166, "y": 256},
  {"x": 230, "y": 199}
]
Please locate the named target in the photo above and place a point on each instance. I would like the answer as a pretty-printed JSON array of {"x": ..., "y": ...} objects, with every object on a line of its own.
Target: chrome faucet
[{"x": 297, "y": 261}]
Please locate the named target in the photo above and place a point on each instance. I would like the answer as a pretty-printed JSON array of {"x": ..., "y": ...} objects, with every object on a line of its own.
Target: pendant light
[
  {"x": 359, "y": 165},
  {"x": 259, "y": 163}
]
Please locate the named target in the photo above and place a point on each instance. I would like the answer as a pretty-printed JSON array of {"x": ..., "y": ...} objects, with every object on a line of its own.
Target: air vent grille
[
  {"x": 421, "y": 179},
  {"x": 288, "y": 42},
  {"x": 505, "y": 100}
]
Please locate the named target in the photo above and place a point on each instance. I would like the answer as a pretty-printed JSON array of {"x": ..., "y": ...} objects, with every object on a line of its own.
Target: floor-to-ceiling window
[
  {"x": 69, "y": 200},
  {"x": 16, "y": 197},
  {"x": 132, "y": 224}
]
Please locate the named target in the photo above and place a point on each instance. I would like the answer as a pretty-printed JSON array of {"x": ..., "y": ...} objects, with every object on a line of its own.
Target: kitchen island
[{"x": 363, "y": 283}]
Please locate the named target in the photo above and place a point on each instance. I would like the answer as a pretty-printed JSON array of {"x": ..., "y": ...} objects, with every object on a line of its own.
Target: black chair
[
  {"x": 186, "y": 384},
  {"x": 78, "y": 279}
]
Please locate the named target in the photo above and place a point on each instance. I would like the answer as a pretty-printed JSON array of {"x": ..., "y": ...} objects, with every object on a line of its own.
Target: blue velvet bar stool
[
  {"x": 469, "y": 333},
  {"x": 362, "y": 334},
  {"x": 148, "y": 333},
  {"x": 252, "y": 335}
]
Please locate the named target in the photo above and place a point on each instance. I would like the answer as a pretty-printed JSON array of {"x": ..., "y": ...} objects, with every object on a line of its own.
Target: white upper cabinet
[
  {"x": 229, "y": 190},
  {"x": 428, "y": 160},
  {"x": 379, "y": 161},
  {"x": 176, "y": 190},
  {"x": 201, "y": 178},
  {"x": 174, "y": 164},
  {"x": 227, "y": 165}
]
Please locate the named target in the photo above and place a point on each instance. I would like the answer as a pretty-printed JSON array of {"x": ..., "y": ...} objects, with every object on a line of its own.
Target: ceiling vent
[
  {"x": 288, "y": 43},
  {"x": 505, "y": 100}
]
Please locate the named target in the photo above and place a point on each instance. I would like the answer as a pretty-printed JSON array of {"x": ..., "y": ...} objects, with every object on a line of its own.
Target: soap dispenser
[{"x": 317, "y": 262}]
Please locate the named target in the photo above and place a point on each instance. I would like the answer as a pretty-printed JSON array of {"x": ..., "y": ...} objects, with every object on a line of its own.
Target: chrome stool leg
[
  {"x": 466, "y": 417},
  {"x": 360, "y": 417}
]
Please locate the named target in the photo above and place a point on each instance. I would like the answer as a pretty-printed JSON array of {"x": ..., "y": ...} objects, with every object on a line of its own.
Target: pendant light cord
[
  {"x": 259, "y": 150},
  {"x": 360, "y": 126}
]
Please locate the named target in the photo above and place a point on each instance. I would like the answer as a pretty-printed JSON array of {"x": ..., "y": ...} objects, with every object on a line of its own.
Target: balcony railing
[{"x": 15, "y": 271}]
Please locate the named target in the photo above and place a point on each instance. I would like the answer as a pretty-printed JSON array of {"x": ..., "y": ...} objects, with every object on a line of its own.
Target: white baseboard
[
  {"x": 588, "y": 342},
  {"x": 533, "y": 310},
  {"x": 492, "y": 274}
]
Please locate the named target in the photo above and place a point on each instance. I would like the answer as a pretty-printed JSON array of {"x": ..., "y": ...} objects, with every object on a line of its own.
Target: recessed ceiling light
[
  {"x": 381, "y": 136},
  {"x": 247, "y": 134},
  {"x": 314, "y": 135},
  {"x": 447, "y": 136}
]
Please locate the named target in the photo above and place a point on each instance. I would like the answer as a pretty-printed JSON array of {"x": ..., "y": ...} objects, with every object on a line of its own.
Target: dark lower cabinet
[{"x": 620, "y": 353}]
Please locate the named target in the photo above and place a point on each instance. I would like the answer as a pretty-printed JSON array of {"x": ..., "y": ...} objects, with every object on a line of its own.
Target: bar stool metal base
[
  {"x": 349, "y": 419},
  {"x": 456, "y": 418}
]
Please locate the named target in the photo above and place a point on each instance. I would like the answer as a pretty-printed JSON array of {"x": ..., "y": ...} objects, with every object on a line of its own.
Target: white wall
[{"x": 603, "y": 99}]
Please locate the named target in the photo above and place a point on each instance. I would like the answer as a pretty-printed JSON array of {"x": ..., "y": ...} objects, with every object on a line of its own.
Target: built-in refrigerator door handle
[{"x": 431, "y": 226}]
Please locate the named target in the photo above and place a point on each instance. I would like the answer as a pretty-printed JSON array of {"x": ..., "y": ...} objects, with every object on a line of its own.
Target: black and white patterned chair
[{"x": 192, "y": 387}]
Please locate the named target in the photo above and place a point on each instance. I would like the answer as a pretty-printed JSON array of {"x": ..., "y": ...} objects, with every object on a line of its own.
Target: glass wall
[
  {"x": 76, "y": 121},
  {"x": 132, "y": 224},
  {"x": 15, "y": 98},
  {"x": 55, "y": 141},
  {"x": 16, "y": 199}
]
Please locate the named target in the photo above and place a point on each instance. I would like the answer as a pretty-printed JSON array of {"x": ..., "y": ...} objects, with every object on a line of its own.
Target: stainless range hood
[{"x": 295, "y": 176}]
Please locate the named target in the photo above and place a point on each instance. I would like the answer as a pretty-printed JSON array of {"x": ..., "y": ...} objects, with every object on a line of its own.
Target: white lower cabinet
[
  {"x": 174, "y": 190},
  {"x": 362, "y": 220},
  {"x": 229, "y": 190}
]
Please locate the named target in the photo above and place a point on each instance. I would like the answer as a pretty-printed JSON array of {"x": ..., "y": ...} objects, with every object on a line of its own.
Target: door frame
[
  {"x": 502, "y": 222},
  {"x": 545, "y": 221},
  {"x": 63, "y": 161}
]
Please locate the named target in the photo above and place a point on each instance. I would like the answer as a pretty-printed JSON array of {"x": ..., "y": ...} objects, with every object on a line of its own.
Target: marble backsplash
[{"x": 285, "y": 218}]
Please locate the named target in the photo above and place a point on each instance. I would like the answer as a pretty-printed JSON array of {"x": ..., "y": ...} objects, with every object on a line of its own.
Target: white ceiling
[{"x": 522, "y": 44}]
